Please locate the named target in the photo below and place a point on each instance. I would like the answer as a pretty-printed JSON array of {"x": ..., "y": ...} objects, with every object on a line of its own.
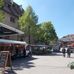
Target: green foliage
[
  {"x": 1, "y": 12},
  {"x": 47, "y": 33},
  {"x": 42, "y": 33},
  {"x": 1, "y": 16},
  {"x": 1, "y": 3},
  {"x": 71, "y": 65},
  {"x": 28, "y": 21}
]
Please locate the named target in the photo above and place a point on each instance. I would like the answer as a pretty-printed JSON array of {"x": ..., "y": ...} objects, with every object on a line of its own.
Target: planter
[{"x": 71, "y": 65}]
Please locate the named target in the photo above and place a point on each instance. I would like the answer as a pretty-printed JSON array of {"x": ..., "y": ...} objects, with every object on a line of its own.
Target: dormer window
[
  {"x": 9, "y": 5},
  {"x": 21, "y": 7},
  {"x": 12, "y": 19}
]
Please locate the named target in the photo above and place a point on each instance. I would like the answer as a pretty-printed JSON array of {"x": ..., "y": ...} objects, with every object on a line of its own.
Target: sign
[{"x": 5, "y": 60}]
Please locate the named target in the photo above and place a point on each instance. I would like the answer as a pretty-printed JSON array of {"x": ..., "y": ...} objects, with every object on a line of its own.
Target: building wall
[
  {"x": 8, "y": 22},
  {"x": 11, "y": 10},
  {"x": 12, "y": 24}
]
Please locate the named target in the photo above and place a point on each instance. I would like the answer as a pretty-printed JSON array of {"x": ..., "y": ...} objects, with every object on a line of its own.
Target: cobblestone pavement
[{"x": 54, "y": 64}]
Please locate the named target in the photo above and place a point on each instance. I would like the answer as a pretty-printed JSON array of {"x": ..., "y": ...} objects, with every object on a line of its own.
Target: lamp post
[{"x": 29, "y": 37}]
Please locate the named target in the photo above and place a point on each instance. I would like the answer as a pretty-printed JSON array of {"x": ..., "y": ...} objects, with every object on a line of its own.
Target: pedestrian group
[{"x": 68, "y": 51}]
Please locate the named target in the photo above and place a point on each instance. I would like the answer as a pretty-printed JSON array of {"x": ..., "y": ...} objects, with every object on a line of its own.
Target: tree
[
  {"x": 1, "y": 3},
  {"x": 47, "y": 33},
  {"x": 27, "y": 23},
  {"x": 1, "y": 12}
]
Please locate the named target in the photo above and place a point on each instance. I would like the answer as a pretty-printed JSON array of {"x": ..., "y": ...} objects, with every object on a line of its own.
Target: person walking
[
  {"x": 63, "y": 51},
  {"x": 68, "y": 52}
]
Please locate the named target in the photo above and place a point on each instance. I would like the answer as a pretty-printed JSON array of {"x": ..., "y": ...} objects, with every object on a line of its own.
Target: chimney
[
  {"x": 11, "y": 1},
  {"x": 21, "y": 7}
]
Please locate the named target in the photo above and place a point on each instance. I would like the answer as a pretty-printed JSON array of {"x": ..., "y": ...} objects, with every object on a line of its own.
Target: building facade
[
  {"x": 67, "y": 40},
  {"x": 12, "y": 12}
]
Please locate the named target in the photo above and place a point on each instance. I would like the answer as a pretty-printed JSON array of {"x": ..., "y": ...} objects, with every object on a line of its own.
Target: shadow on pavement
[
  {"x": 56, "y": 54},
  {"x": 21, "y": 63},
  {"x": 52, "y": 54},
  {"x": 71, "y": 57}
]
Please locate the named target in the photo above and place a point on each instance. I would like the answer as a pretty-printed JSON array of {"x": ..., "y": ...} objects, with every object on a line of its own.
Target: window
[{"x": 12, "y": 19}]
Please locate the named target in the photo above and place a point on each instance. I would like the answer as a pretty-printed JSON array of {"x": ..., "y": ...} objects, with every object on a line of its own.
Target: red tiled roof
[{"x": 69, "y": 37}]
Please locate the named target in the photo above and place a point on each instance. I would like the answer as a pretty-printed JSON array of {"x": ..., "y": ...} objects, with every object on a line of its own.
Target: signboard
[{"x": 5, "y": 60}]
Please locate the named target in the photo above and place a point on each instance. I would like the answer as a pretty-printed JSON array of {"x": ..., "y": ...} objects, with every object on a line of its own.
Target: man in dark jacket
[
  {"x": 68, "y": 52},
  {"x": 63, "y": 51}
]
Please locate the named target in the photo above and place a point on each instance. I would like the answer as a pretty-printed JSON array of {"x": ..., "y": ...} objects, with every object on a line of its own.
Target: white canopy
[
  {"x": 12, "y": 42},
  {"x": 8, "y": 30}
]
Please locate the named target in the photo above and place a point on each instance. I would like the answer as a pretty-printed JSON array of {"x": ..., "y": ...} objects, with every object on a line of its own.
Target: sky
[{"x": 59, "y": 12}]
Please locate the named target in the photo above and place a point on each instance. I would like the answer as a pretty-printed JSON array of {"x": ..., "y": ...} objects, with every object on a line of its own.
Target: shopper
[
  {"x": 68, "y": 52},
  {"x": 63, "y": 51}
]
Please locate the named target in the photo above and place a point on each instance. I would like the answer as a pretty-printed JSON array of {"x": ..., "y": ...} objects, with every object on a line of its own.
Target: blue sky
[{"x": 59, "y": 12}]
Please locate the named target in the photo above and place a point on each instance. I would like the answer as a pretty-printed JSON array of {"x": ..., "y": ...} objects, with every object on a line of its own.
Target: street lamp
[{"x": 29, "y": 37}]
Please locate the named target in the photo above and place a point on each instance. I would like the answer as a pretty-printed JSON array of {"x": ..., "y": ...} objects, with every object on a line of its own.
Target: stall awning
[
  {"x": 5, "y": 41},
  {"x": 7, "y": 30}
]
